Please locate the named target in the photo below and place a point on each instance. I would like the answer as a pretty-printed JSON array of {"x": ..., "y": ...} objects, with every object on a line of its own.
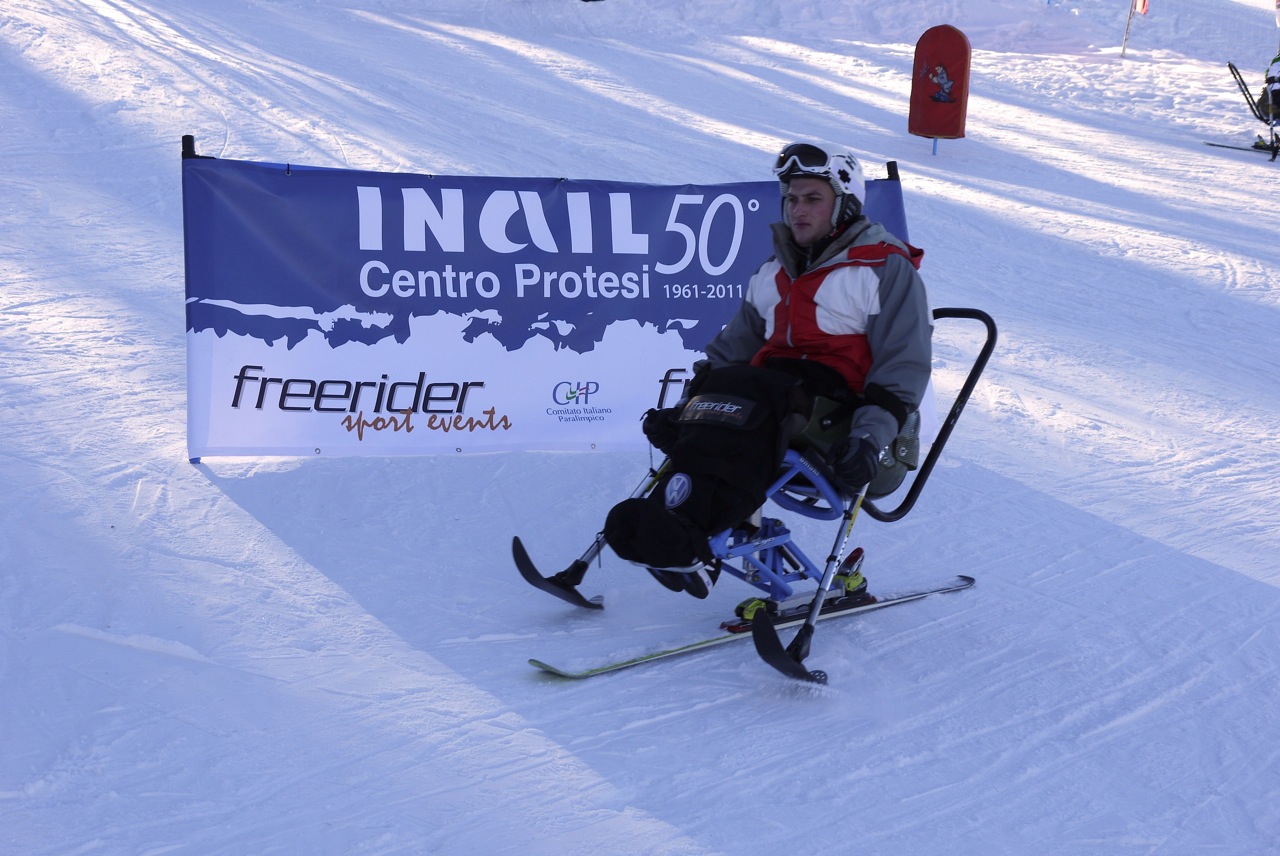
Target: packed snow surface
[{"x": 304, "y": 656}]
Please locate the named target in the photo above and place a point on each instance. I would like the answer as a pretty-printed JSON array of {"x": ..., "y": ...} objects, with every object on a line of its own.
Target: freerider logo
[
  {"x": 724, "y": 408},
  {"x": 727, "y": 410},
  {"x": 392, "y": 405}
]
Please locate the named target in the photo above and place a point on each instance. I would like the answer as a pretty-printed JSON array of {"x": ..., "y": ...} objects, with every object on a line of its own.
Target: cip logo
[{"x": 574, "y": 392}]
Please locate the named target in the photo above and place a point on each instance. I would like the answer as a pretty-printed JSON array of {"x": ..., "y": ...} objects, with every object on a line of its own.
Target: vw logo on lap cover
[{"x": 678, "y": 490}]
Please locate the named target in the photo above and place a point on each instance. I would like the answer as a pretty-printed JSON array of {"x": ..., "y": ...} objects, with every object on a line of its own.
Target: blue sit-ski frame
[{"x": 768, "y": 558}]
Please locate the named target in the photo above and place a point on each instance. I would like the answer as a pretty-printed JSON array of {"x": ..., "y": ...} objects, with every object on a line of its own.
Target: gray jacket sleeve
[
  {"x": 738, "y": 342},
  {"x": 900, "y": 340}
]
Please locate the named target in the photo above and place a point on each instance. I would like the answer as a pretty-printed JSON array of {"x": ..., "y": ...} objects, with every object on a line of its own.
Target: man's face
[{"x": 808, "y": 203}]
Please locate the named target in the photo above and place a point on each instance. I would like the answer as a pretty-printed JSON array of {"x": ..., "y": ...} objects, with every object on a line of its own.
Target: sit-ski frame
[
  {"x": 768, "y": 557},
  {"x": 1273, "y": 143},
  {"x": 803, "y": 488}
]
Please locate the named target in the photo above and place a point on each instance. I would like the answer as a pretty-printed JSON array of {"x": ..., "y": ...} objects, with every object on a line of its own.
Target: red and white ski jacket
[{"x": 860, "y": 308}]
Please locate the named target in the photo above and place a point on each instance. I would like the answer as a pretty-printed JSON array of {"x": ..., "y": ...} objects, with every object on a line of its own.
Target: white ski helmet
[{"x": 837, "y": 165}]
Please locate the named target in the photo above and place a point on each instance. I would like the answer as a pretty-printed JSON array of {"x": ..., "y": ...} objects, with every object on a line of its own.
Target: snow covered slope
[{"x": 328, "y": 656}]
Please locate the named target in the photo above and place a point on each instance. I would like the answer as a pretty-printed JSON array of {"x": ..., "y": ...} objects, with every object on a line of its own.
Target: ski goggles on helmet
[{"x": 802, "y": 159}]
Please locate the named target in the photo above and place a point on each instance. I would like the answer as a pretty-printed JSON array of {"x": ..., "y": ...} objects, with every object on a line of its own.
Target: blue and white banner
[
  {"x": 348, "y": 312},
  {"x": 341, "y": 312}
]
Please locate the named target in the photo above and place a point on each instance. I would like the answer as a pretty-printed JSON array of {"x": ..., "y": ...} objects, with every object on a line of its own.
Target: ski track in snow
[{"x": 328, "y": 656}]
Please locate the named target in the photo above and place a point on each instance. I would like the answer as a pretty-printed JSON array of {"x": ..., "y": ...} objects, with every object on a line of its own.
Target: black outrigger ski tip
[
  {"x": 563, "y": 585},
  {"x": 770, "y": 649}
]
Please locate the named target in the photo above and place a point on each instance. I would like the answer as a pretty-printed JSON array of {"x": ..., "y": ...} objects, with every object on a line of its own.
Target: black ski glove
[
  {"x": 662, "y": 428},
  {"x": 854, "y": 463}
]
